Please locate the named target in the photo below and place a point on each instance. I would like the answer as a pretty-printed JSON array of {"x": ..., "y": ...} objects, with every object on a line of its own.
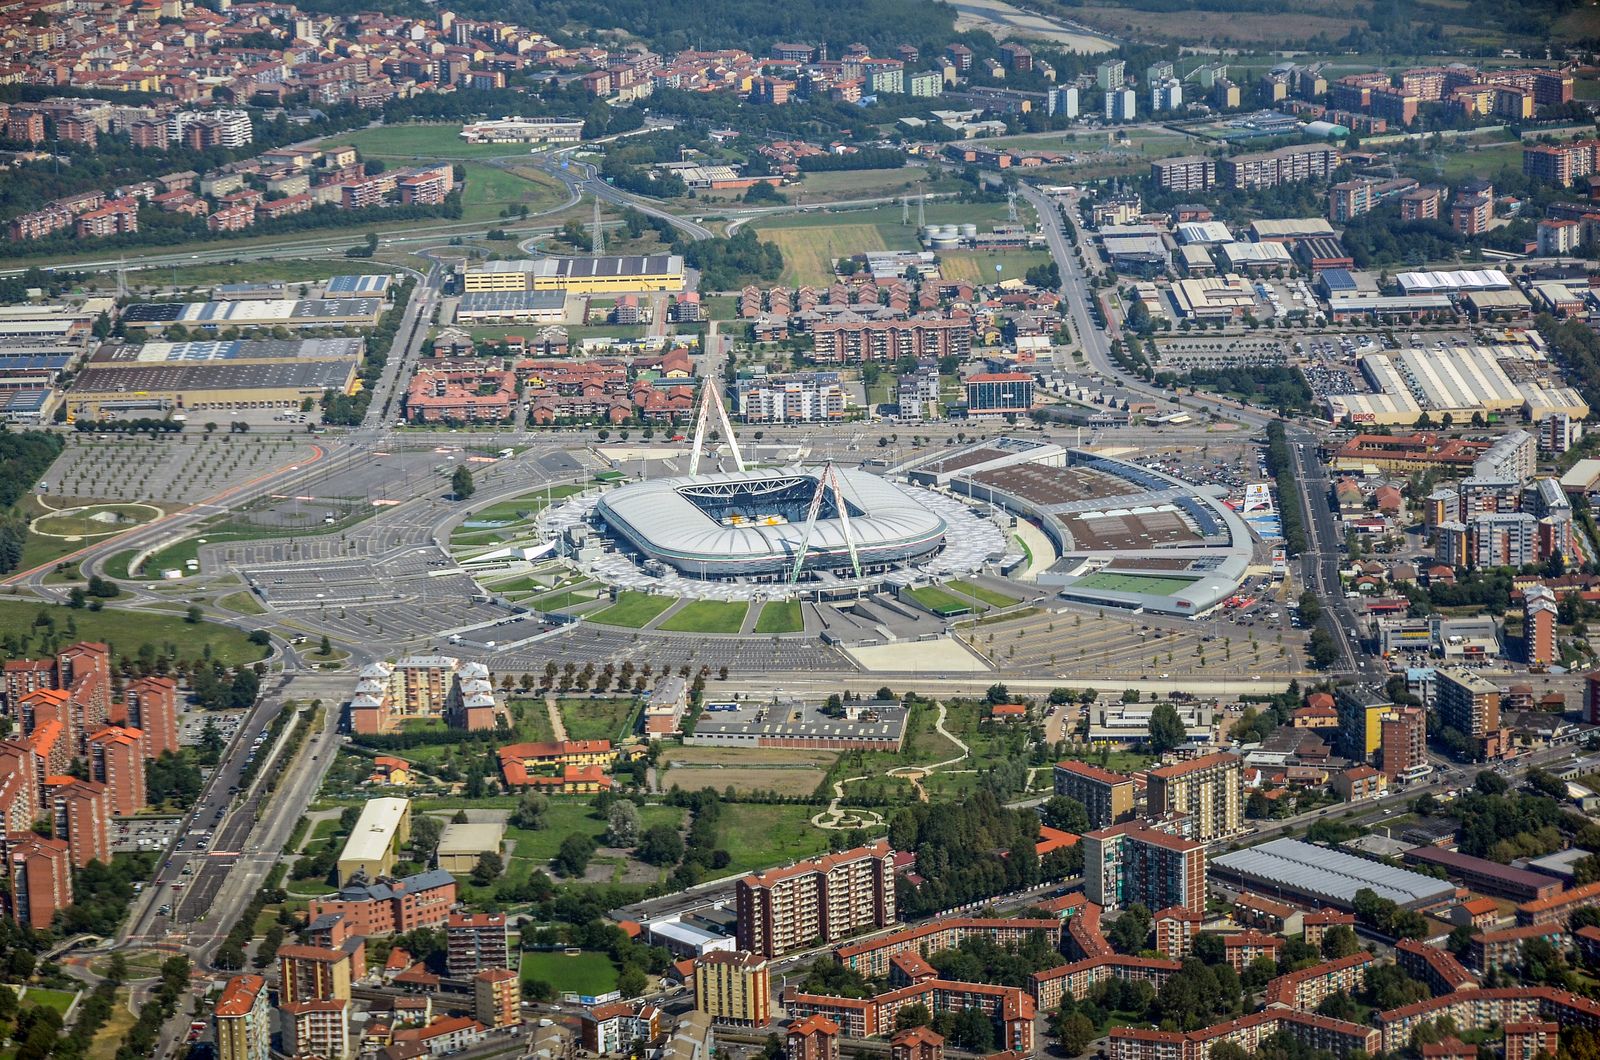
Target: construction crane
[{"x": 828, "y": 479}]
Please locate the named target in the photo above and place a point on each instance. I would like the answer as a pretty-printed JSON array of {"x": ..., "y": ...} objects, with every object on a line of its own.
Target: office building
[
  {"x": 497, "y": 998},
  {"x": 41, "y": 878},
  {"x": 1210, "y": 789},
  {"x": 999, "y": 393},
  {"x": 1136, "y": 863},
  {"x": 1468, "y": 704},
  {"x": 116, "y": 759},
  {"x": 242, "y": 1021},
  {"x": 733, "y": 987},
  {"x": 1404, "y": 744},
  {"x": 475, "y": 941},
  {"x": 1107, "y": 796},
  {"x": 827, "y": 899}
]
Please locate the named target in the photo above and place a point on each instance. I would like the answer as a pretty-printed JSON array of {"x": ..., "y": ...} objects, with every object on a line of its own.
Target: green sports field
[{"x": 1149, "y": 584}]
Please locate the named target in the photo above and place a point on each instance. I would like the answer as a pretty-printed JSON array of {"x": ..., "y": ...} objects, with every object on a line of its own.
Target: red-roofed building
[
  {"x": 1107, "y": 796},
  {"x": 811, "y": 1038},
  {"x": 827, "y": 898},
  {"x": 1175, "y": 929},
  {"x": 1242, "y": 947}
]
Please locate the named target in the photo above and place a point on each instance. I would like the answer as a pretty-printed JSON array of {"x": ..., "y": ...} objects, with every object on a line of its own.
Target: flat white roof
[{"x": 374, "y": 832}]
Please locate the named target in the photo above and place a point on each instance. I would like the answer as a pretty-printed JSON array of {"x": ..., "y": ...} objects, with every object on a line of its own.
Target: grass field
[
  {"x": 781, "y": 781},
  {"x": 632, "y": 610},
  {"x": 977, "y": 266},
  {"x": 421, "y": 142},
  {"x": 108, "y": 1039},
  {"x": 858, "y": 184},
  {"x": 758, "y": 837},
  {"x": 780, "y": 616},
  {"x": 125, "y": 631},
  {"x": 808, "y": 254},
  {"x": 490, "y": 190},
  {"x": 708, "y": 616},
  {"x": 245, "y": 603},
  {"x": 812, "y": 241},
  {"x": 1154, "y": 584},
  {"x": 599, "y": 719},
  {"x": 55, "y": 1000},
  {"x": 984, "y": 593},
  {"x": 565, "y": 816},
  {"x": 588, "y": 974},
  {"x": 1478, "y": 162},
  {"x": 99, "y": 520},
  {"x": 939, "y": 601}
]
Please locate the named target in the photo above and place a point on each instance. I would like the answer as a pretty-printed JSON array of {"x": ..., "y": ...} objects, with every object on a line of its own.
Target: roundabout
[{"x": 90, "y": 521}]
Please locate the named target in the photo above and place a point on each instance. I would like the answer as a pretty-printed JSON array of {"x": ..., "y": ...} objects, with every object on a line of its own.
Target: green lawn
[
  {"x": 632, "y": 610},
  {"x": 984, "y": 593},
  {"x": 421, "y": 142},
  {"x": 534, "y": 723},
  {"x": 1154, "y": 584},
  {"x": 939, "y": 601},
  {"x": 58, "y": 1000},
  {"x": 565, "y": 816},
  {"x": 599, "y": 719},
  {"x": 780, "y": 616},
  {"x": 245, "y": 603},
  {"x": 588, "y": 974},
  {"x": 759, "y": 837},
  {"x": 490, "y": 190},
  {"x": 708, "y": 616},
  {"x": 978, "y": 266},
  {"x": 125, "y": 631}
]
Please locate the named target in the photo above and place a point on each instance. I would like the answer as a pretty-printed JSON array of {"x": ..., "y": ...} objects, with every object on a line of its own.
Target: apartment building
[
  {"x": 825, "y": 899},
  {"x": 885, "y": 341},
  {"x": 41, "y": 879},
  {"x": 1136, "y": 863},
  {"x": 1107, "y": 796},
  {"x": 1404, "y": 744},
  {"x": 1210, "y": 789},
  {"x": 811, "y": 1038},
  {"x": 316, "y": 1028},
  {"x": 1185, "y": 173},
  {"x": 1269, "y": 169},
  {"x": 391, "y": 906},
  {"x": 1307, "y": 988},
  {"x": 474, "y": 942},
  {"x": 733, "y": 987},
  {"x": 116, "y": 759},
  {"x": 497, "y": 998},
  {"x": 152, "y": 707},
  {"x": 809, "y": 398},
  {"x": 81, "y": 811},
  {"x": 1350, "y": 199},
  {"x": 242, "y": 1019},
  {"x": 314, "y": 973},
  {"x": 1467, "y": 703}
]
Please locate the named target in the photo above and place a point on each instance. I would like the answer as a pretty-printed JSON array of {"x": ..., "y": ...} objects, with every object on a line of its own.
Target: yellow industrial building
[
  {"x": 627, "y": 274},
  {"x": 384, "y": 825}
]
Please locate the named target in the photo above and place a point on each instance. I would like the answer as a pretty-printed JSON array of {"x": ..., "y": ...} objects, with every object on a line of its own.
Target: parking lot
[{"x": 142, "y": 833}]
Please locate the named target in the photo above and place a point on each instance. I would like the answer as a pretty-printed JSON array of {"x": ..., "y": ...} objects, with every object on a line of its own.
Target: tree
[
  {"x": 1131, "y": 929},
  {"x": 1076, "y": 1034},
  {"x": 425, "y": 831},
  {"x": 1066, "y": 814},
  {"x": 912, "y": 1016},
  {"x": 572, "y": 858},
  {"x": 1340, "y": 941},
  {"x": 631, "y": 982},
  {"x": 1166, "y": 729},
  {"x": 622, "y": 824},
  {"x": 488, "y": 868},
  {"x": 461, "y": 483},
  {"x": 530, "y": 812},
  {"x": 660, "y": 845},
  {"x": 193, "y": 615},
  {"x": 1491, "y": 783},
  {"x": 325, "y": 648}
]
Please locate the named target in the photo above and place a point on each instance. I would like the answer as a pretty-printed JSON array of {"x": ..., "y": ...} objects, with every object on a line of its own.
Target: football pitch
[{"x": 1150, "y": 584}]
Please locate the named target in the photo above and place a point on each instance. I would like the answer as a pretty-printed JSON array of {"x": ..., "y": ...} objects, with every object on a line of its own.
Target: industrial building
[
  {"x": 383, "y": 826},
  {"x": 160, "y": 378},
  {"x": 296, "y": 313},
  {"x": 511, "y": 307},
  {"x": 584, "y": 275},
  {"x": 1305, "y": 872}
]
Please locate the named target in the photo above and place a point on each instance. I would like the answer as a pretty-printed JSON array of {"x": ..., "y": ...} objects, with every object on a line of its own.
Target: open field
[
  {"x": 125, "y": 631},
  {"x": 491, "y": 190},
  {"x": 1296, "y": 22},
  {"x": 711, "y": 757},
  {"x": 808, "y": 254},
  {"x": 565, "y": 816},
  {"x": 859, "y": 184},
  {"x": 421, "y": 142},
  {"x": 939, "y": 601},
  {"x": 1477, "y": 162},
  {"x": 755, "y": 778},
  {"x": 587, "y": 974},
  {"x": 599, "y": 719},
  {"x": 56, "y": 1000},
  {"x": 978, "y": 266},
  {"x": 708, "y": 616},
  {"x": 758, "y": 837},
  {"x": 780, "y": 617},
  {"x": 108, "y": 1039},
  {"x": 984, "y": 593},
  {"x": 632, "y": 610}
]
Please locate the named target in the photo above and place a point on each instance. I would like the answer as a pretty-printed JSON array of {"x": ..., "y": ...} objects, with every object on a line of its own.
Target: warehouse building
[
  {"x": 1304, "y": 872},
  {"x": 383, "y": 826},
  {"x": 374, "y": 285},
  {"x": 584, "y": 275},
  {"x": 511, "y": 307},
  {"x": 297, "y": 313},
  {"x": 159, "y": 378}
]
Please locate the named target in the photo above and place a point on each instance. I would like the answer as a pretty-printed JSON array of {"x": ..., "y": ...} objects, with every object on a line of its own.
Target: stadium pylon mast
[
  {"x": 828, "y": 479},
  {"x": 711, "y": 399}
]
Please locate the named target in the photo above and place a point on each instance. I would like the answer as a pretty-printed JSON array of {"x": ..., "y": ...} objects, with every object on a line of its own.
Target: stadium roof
[
  {"x": 1330, "y": 875},
  {"x": 661, "y": 519}
]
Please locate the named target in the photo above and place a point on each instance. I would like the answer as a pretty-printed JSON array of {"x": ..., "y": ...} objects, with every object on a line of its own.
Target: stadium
[{"x": 756, "y": 524}]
